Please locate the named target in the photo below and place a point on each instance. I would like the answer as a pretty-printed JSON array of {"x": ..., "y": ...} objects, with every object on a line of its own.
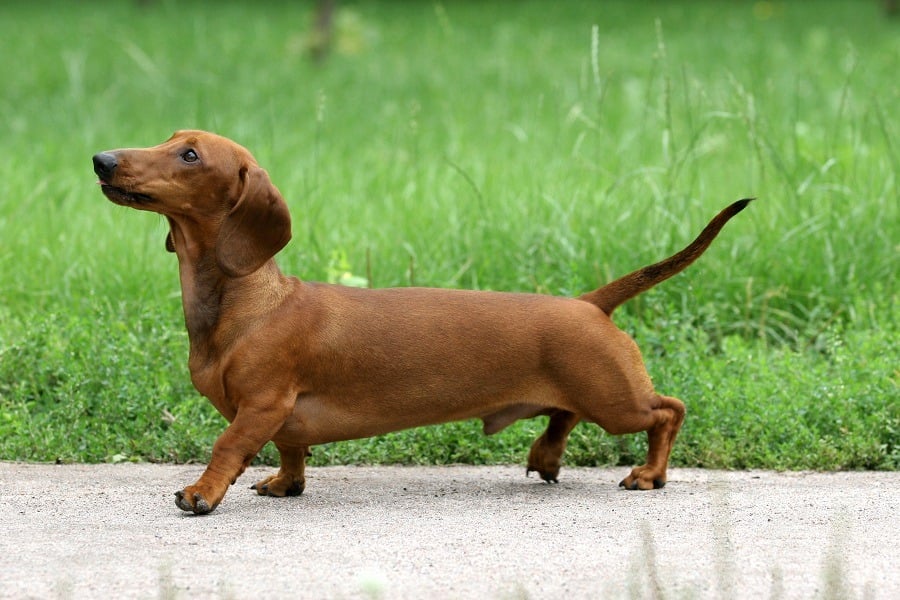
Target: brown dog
[{"x": 306, "y": 363}]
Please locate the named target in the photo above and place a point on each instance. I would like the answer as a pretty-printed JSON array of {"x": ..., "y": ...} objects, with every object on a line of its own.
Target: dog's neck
[{"x": 217, "y": 308}]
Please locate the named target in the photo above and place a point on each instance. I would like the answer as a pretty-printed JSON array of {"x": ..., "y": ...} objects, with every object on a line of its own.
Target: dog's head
[{"x": 209, "y": 187}]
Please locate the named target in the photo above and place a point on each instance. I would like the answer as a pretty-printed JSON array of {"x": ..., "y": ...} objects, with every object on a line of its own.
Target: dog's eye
[{"x": 189, "y": 156}]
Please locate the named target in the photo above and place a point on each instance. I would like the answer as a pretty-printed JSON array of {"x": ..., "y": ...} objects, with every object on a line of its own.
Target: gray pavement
[{"x": 88, "y": 531}]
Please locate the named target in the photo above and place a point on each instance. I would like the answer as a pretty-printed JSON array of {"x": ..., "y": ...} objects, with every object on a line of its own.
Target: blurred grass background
[{"x": 489, "y": 145}]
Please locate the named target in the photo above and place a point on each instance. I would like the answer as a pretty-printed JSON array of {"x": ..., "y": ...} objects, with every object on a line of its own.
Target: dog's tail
[{"x": 611, "y": 295}]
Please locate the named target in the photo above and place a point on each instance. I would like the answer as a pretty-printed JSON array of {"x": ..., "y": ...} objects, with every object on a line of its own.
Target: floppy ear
[
  {"x": 257, "y": 227},
  {"x": 170, "y": 245}
]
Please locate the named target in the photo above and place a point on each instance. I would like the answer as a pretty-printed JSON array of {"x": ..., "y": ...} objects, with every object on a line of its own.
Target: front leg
[
  {"x": 290, "y": 479},
  {"x": 232, "y": 453}
]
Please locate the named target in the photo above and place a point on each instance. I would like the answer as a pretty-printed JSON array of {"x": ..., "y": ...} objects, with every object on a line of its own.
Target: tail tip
[{"x": 741, "y": 204}]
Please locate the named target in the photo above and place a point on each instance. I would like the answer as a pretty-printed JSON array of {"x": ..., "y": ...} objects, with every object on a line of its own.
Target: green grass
[{"x": 478, "y": 145}]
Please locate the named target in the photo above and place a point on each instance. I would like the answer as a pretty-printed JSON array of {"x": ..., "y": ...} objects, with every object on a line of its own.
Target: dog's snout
[{"x": 105, "y": 165}]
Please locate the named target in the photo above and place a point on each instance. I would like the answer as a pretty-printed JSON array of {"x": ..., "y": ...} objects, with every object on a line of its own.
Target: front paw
[
  {"x": 190, "y": 499},
  {"x": 279, "y": 485}
]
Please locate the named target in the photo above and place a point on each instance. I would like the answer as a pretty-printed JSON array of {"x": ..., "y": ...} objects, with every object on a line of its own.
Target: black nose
[{"x": 105, "y": 165}]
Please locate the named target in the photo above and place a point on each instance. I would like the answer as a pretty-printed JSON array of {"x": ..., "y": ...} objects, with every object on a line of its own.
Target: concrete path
[{"x": 94, "y": 531}]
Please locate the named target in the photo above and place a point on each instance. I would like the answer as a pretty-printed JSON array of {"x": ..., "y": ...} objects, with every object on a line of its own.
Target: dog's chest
[{"x": 208, "y": 381}]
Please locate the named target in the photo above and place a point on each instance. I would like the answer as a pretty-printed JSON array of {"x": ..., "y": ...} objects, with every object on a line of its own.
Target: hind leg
[
  {"x": 662, "y": 423},
  {"x": 546, "y": 452}
]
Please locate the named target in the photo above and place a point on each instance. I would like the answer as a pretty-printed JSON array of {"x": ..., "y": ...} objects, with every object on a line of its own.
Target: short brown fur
[{"x": 304, "y": 363}]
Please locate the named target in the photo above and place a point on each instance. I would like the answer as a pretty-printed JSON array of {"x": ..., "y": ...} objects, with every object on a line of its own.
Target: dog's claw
[
  {"x": 657, "y": 484},
  {"x": 275, "y": 486},
  {"x": 181, "y": 503},
  {"x": 200, "y": 506},
  {"x": 546, "y": 477}
]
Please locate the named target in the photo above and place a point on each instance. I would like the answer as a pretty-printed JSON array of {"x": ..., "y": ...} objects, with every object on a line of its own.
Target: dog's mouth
[{"x": 122, "y": 196}]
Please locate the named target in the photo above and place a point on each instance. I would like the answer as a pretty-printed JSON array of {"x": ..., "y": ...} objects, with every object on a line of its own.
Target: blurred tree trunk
[{"x": 323, "y": 30}]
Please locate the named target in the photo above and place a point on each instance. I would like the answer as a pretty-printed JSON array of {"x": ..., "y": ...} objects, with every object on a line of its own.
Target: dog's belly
[{"x": 322, "y": 419}]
